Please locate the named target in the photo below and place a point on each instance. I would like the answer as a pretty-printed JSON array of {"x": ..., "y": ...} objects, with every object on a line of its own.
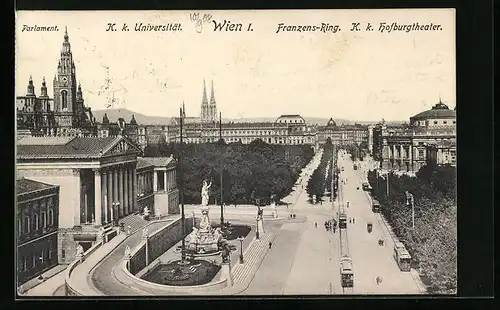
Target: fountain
[{"x": 205, "y": 240}]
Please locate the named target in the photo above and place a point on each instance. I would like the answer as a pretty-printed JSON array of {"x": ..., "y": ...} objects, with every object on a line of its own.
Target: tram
[
  {"x": 402, "y": 256},
  {"x": 375, "y": 206},
  {"x": 346, "y": 271},
  {"x": 342, "y": 218}
]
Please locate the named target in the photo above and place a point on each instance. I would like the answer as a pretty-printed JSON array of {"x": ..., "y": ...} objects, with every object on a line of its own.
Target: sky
[{"x": 363, "y": 75}]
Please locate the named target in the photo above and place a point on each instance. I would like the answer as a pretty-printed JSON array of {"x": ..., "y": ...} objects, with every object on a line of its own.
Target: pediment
[{"x": 122, "y": 146}]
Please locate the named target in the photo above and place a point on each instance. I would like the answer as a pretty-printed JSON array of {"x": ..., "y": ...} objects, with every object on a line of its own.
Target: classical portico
[{"x": 97, "y": 178}]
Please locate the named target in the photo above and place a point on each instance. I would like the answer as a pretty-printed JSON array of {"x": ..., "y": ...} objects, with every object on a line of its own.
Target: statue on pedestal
[
  {"x": 225, "y": 253},
  {"x": 145, "y": 233},
  {"x": 79, "y": 252},
  {"x": 127, "y": 252},
  {"x": 205, "y": 194}
]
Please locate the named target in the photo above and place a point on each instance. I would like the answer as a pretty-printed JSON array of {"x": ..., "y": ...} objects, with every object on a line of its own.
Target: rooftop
[
  {"x": 71, "y": 147},
  {"x": 439, "y": 110},
  {"x": 155, "y": 161},
  {"x": 24, "y": 186}
]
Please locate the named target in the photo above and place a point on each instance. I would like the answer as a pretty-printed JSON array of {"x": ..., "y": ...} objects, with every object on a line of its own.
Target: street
[{"x": 370, "y": 260}]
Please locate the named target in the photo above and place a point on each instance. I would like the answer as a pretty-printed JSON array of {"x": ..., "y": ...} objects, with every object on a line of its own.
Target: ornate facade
[
  {"x": 430, "y": 137},
  {"x": 343, "y": 135},
  {"x": 63, "y": 115}
]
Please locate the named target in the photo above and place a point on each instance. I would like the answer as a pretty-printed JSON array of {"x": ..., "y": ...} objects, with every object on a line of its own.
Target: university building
[
  {"x": 286, "y": 129},
  {"x": 63, "y": 115},
  {"x": 429, "y": 137},
  {"x": 37, "y": 212},
  {"x": 99, "y": 181}
]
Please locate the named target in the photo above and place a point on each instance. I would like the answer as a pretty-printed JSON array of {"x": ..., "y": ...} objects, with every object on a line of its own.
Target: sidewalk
[{"x": 53, "y": 279}]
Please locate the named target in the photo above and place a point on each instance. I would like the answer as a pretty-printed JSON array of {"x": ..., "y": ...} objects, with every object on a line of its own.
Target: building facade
[
  {"x": 342, "y": 135},
  {"x": 63, "y": 115},
  {"x": 37, "y": 215},
  {"x": 430, "y": 136},
  {"x": 98, "y": 183}
]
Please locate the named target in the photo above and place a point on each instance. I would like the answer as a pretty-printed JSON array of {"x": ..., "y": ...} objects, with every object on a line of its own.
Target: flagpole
[
  {"x": 181, "y": 170},
  {"x": 221, "y": 200}
]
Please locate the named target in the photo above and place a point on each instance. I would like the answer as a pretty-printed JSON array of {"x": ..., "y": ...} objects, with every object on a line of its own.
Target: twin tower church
[{"x": 66, "y": 113}]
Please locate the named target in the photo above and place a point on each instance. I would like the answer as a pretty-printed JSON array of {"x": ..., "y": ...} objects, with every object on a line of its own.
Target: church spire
[
  {"x": 212, "y": 95},
  {"x": 66, "y": 45},
  {"x": 31, "y": 87},
  {"x": 204, "y": 100},
  {"x": 44, "y": 88}
]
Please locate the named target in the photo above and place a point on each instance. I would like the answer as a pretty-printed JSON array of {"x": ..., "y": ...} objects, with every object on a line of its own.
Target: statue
[
  {"x": 225, "y": 253},
  {"x": 145, "y": 233},
  {"x": 79, "y": 251},
  {"x": 205, "y": 195},
  {"x": 127, "y": 252}
]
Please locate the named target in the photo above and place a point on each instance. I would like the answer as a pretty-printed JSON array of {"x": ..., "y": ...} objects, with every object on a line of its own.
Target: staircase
[
  {"x": 243, "y": 273},
  {"x": 135, "y": 222}
]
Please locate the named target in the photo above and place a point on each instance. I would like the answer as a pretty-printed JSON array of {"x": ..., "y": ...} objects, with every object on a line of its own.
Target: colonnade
[{"x": 115, "y": 192}]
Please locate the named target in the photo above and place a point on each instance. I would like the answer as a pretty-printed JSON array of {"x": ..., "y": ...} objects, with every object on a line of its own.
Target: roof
[
  {"x": 76, "y": 147},
  {"x": 24, "y": 186},
  {"x": 440, "y": 110},
  {"x": 142, "y": 163},
  {"x": 155, "y": 161}
]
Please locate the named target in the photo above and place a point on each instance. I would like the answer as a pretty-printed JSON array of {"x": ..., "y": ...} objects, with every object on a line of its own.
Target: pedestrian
[
  {"x": 334, "y": 229},
  {"x": 353, "y": 220},
  {"x": 315, "y": 224},
  {"x": 270, "y": 245},
  {"x": 350, "y": 221}
]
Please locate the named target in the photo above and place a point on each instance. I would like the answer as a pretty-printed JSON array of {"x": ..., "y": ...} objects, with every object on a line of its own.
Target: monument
[{"x": 204, "y": 239}]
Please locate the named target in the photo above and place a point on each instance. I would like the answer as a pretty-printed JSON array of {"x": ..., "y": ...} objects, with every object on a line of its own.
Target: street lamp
[
  {"x": 409, "y": 198},
  {"x": 240, "y": 239}
]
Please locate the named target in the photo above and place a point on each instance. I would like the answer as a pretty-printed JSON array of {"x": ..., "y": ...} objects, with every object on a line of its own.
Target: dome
[
  {"x": 331, "y": 123},
  {"x": 439, "y": 110}
]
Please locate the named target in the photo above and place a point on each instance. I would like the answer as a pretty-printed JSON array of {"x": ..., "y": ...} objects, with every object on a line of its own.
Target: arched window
[{"x": 64, "y": 99}]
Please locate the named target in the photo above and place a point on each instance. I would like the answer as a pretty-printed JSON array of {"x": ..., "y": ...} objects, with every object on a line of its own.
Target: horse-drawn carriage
[{"x": 369, "y": 227}]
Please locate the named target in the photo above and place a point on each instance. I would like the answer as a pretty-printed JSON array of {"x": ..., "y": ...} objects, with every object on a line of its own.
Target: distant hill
[{"x": 114, "y": 114}]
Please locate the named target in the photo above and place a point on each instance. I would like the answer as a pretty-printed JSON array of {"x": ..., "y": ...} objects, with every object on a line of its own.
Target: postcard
[{"x": 264, "y": 152}]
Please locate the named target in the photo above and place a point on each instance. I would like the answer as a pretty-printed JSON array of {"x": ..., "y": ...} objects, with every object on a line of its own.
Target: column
[
  {"x": 104, "y": 196},
  {"x": 115, "y": 194},
  {"x": 125, "y": 192},
  {"x": 155, "y": 181},
  {"x": 410, "y": 155},
  {"x": 130, "y": 190},
  {"x": 109, "y": 194},
  {"x": 134, "y": 182},
  {"x": 76, "y": 201},
  {"x": 401, "y": 153},
  {"x": 97, "y": 197},
  {"x": 120, "y": 175},
  {"x": 166, "y": 184}
]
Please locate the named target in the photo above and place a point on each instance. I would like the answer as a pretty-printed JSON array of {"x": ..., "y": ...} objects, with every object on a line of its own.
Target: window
[
  {"x": 421, "y": 153},
  {"x": 63, "y": 254},
  {"x": 19, "y": 227},
  {"x": 51, "y": 217},
  {"x": 435, "y": 122},
  {"x": 445, "y": 122},
  {"x": 34, "y": 259},
  {"x": 35, "y": 219},
  {"x": 44, "y": 219},
  {"x": 454, "y": 122},
  {"x": 42, "y": 257},
  {"x": 64, "y": 99},
  {"x": 27, "y": 223}
]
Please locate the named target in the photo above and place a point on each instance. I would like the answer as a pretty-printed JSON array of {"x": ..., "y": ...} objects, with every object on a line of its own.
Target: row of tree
[
  {"x": 317, "y": 183},
  {"x": 250, "y": 172},
  {"x": 357, "y": 152},
  {"x": 433, "y": 240}
]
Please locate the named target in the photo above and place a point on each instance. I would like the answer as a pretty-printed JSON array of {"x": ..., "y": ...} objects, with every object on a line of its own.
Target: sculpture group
[{"x": 204, "y": 239}]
